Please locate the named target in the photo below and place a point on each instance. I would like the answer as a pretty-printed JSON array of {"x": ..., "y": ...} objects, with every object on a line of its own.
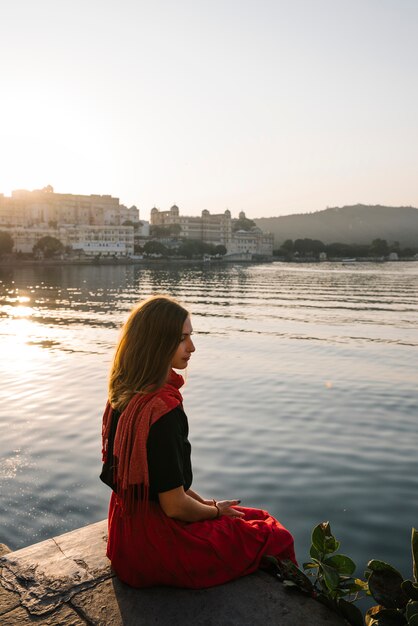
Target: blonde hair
[{"x": 148, "y": 342}]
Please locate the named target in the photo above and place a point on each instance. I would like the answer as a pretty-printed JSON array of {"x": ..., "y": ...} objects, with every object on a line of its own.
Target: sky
[{"x": 270, "y": 107}]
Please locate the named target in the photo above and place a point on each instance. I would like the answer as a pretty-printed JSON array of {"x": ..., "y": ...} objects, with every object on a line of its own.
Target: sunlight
[
  {"x": 17, "y": 311},
  {"x": 44, "y": 142},
  {"x": 15, "y": 349}
]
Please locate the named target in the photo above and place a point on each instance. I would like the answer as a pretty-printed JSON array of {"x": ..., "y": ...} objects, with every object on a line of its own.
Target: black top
[{"x": 168, "y": 453}]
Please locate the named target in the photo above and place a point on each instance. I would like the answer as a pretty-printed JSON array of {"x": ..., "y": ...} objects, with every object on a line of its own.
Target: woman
[{"x": 160, "y": 531}]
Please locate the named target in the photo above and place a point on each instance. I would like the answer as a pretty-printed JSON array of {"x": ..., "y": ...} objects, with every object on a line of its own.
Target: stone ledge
[
  {"x": 67, "y": 581},
  {"x": 4, "y": 549},
  {"x": 47, "y": 574},
  {"x": 63, "y": 616}
]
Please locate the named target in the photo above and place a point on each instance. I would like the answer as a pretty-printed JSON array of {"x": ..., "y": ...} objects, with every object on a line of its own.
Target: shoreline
[{"x": 15, "y": 264}]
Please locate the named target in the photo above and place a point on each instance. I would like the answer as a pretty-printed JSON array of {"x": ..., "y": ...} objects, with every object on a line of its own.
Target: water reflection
[{"x": 312, "y": 296}]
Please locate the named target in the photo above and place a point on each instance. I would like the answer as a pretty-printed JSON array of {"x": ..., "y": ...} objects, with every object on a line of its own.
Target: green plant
[
  {"x": 330, "y": 575},
  {"x": 330, "y": 580},
  {"x": 397, "y": 598}
]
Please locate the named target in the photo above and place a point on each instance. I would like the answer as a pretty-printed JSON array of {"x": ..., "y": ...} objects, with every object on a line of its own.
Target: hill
[{"x": 348, "y": 224}]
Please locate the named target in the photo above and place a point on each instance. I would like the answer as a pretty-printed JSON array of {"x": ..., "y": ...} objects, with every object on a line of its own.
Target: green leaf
[
  {"x": 330, "y": 575},
  {"x": 314, "y": 553},
  {"x": 323, "y": 541},
  {"x": 414, "y": 546},
  {"x": 410, "y": 589},
  {"x": 357, "y": 585},
  {"x": 371, "y": 614},
  {"x": 361, "y": 583},
  {"x": 376, "y": 566},
  {"x": 379, "y": 616},
  {"x": 310, "y": 565},
  {"x": 350, "y": 612},
  {"x": 411, "y": 610},
  {"x": 318, "y": 538},
  {"x": 385, "y": 587},
  {"x": 331, "y": 545},
  {"x": 343, "y": 564},
  {"x": 390, "y": 617},
  {"x": 349, "y": 587}
]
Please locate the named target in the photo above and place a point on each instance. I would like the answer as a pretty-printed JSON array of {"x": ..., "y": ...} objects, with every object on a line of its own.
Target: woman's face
[{"x": 185, "y": 348}]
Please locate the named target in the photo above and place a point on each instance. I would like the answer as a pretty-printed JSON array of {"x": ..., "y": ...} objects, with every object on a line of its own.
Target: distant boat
[{"x": 348, "y": 261}]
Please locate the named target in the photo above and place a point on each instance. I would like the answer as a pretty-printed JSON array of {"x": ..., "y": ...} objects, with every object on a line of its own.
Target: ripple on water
[{"x": 301, "y": 395}]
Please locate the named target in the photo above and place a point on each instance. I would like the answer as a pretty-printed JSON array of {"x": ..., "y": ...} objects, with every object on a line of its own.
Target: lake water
[{"x": 301, "y": 396}]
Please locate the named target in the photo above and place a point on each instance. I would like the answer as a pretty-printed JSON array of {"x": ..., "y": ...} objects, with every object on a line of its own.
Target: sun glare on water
[{"x": 17, "y": 332}]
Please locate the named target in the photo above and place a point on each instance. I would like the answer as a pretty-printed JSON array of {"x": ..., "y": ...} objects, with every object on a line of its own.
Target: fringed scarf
[{"x": 130, "y": 444}]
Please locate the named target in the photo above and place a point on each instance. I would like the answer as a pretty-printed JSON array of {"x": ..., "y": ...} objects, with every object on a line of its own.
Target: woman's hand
[
  {"x": 226, "y": 508},
  {"x": 189, "y": 507},
  {"x": 210, "y": 502}
]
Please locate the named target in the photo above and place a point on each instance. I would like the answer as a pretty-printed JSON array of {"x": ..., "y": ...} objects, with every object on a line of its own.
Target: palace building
[{"x": 216, "y": 229}]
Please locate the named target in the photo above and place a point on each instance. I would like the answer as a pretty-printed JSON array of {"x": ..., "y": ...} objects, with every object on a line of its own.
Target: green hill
[{"x": 348, "y": 224}]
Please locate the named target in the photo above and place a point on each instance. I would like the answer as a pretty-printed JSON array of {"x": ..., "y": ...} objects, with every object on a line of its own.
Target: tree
[
  {"x": 48, "y": 247},
  {"x": 309, "y": 246},
  {"x": 288, "y": 246},
  {"x": 188, "y": 248},
  {"x": 243, "y": 224},
  {"x": 6, "y": 243},
  {"x": 379, "y": 247},
  {"x": 339, "y": 250},
  {"x": 171, "y": 230},
  {"x": 220, "y": 249},
  {"x": 346, "y": 250},
  {"x": 155, "y": 247},
  {"x": 408, "y": 252},
  {"x": 196, "y": 248}
]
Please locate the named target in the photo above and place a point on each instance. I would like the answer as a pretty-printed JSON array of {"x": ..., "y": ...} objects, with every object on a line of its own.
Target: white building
[
  {"x": 253, "y": 242},
  {"x": 100, "y": 240},
  {"x": 98, "y": 225},
  {"x": 92, "y": 240}
]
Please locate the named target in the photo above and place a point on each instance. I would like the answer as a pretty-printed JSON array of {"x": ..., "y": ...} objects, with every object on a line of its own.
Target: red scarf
[{"x": 130, "y": 445}]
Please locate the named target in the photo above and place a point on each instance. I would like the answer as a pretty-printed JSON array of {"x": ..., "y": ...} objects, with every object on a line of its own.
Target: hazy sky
[{"x": 267, "y": 106}]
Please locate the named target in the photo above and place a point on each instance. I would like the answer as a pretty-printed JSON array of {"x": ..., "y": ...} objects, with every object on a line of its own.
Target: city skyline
[{"x": 270, "y": 108}]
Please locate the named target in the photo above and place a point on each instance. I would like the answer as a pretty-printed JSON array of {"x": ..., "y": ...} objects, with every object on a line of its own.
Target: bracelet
[{"x": 218, "y": 511}]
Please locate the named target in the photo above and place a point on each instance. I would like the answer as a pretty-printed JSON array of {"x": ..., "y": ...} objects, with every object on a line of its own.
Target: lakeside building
[
  {"x": 98, "y": 225},
  {"x": 253, "y": 242},
  {"x": 84, "y": 239},
  {"x": 94, "y": 224},
  {"x": 216, "y": 229}
]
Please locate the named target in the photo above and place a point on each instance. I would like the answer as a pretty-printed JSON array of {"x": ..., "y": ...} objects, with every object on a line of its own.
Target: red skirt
[{"x": 150, "y": 549}]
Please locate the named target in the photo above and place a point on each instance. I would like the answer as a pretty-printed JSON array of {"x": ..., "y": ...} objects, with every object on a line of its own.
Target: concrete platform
[{"x": 67, "y": 581}]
